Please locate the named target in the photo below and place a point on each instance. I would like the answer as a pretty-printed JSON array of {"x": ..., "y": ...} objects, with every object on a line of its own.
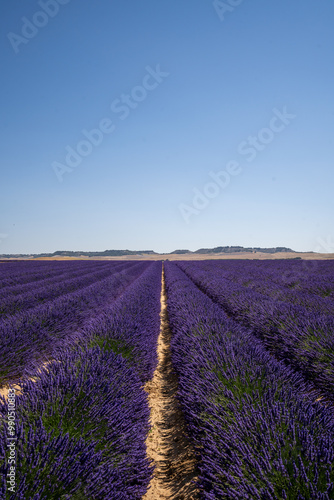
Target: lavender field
[{"x": 251, "y": 348}]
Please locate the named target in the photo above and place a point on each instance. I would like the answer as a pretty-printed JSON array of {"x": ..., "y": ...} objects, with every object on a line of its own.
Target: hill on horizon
[{"x": 120, "y": 253}]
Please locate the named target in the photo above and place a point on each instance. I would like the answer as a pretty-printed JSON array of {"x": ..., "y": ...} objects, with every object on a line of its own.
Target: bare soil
[
  {"x": 167, "y": 443},
  {"x": 4, "y": 390},
  {"x": 17, "y": 386}
]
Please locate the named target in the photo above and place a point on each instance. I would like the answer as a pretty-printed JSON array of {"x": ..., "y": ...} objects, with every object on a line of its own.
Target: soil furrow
[{"x": 167, "y": 443}]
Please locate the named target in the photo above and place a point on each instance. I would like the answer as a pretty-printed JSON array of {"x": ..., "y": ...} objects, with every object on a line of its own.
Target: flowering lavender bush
[
  {"x": 82, "y": 425},
  {"x": 29, "y": 337},
  {"x": 89, "y": 408},
  {"x": 302, "y": 337},
  {"x": 131, "y": 324},
  {"x": 16, "y": 273},
  {"x": 53, "y": 274},
  {"x": 258, "y": 431},
  {"x": 12, "y": 303}
]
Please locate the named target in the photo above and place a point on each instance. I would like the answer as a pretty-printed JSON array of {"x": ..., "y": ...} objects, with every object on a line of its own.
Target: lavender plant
[
  {"x": 258, "y": 430},
  {"x": 301, "y": 337}
]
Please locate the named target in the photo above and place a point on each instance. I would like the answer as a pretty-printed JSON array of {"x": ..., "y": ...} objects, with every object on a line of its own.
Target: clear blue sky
[{"x": 198, "y": 88}]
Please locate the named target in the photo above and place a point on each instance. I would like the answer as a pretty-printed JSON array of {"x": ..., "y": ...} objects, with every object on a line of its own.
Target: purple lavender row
[
  {"x": 31, "y": 336},
  {"x": 21, "y": 267},
  {"x": 299, "y": 337},
  {"x": 31, "y": 273},
  {"x": 90, "y": 410},
  {"x": 257, "y": 430},
  {"x": 285, "y": 286},
  {"x": 27, "y": 272},
  {"x": 13, "y": 304},
  {"x": 59, "y": 274},
  {"x": 314, "y": 276},
  {"x": 131, "y": 324},
  {"x": 310, "y": 277},
  {"x": 81, "y": 429},
  {"x": 310, "y": 301}
]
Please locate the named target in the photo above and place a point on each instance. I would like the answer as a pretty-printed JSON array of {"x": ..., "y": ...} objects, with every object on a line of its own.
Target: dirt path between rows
[{"x": 167, "y": 443}]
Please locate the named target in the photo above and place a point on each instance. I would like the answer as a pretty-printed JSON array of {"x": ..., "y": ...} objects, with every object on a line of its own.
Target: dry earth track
[{"x": 167, "y": 444}]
